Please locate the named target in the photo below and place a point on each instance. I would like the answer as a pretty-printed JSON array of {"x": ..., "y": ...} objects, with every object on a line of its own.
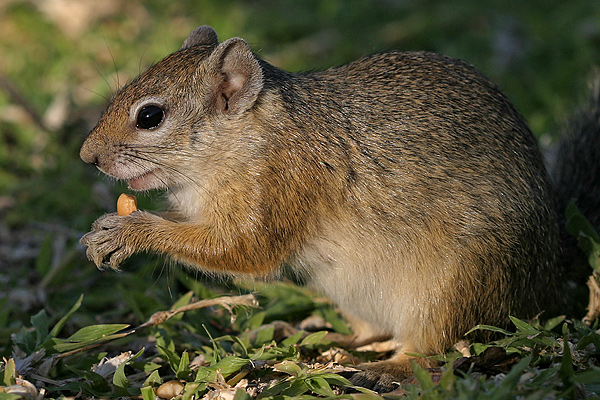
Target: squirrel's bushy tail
[
  {"x": 576, "y": 175},
  {"x": 576, "y": 172}
]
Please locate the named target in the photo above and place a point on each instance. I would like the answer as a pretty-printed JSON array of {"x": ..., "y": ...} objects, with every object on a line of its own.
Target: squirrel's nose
[{"x": 87, "y": 152}]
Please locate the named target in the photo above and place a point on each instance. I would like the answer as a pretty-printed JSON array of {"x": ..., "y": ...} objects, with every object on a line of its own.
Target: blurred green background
[{"x": 60, "y": 60}]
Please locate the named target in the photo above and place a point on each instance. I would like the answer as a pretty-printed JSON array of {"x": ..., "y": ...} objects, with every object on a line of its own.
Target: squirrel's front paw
[{"x": 111, "y": 240}]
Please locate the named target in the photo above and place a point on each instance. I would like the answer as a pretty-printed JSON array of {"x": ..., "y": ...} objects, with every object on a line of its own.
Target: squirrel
[{"x": 405, "y": 186}]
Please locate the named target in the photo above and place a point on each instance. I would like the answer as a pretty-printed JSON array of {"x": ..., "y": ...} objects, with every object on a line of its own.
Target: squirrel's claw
[{"x": 106, "y": 243}]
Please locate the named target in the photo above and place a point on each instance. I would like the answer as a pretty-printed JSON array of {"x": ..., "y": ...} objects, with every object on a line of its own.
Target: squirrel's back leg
[
  {"x": 384, "y": 376},
  {"x": 363, "y": 332}
]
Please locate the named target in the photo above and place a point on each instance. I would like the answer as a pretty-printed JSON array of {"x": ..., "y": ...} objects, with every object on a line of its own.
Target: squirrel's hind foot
[{"x": 386, "y": 376}]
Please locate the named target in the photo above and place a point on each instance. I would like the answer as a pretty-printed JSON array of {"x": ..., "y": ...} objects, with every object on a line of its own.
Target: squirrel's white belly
[{"x": 390, "y": 283}]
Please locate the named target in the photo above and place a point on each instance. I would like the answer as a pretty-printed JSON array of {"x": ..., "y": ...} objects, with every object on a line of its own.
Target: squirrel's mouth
[{"x": 146, "y": 181}]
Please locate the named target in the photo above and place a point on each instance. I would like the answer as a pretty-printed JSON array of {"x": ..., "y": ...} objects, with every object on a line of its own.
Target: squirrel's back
[{"x": 437, "y": 164}]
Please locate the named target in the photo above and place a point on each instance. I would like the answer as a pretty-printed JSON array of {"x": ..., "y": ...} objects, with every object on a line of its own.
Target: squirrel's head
[{"x": 164, "y": 117}]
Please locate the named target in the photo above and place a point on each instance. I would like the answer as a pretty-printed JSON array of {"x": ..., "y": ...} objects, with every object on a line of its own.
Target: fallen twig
[
  {"x": 159, "y": 317},
  {"x": 594, "y": 302},
  {"x": 248, "y": 300}
]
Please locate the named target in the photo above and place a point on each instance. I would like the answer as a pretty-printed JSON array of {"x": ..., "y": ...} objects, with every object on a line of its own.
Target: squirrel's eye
[{"x": 150, "y": 117}]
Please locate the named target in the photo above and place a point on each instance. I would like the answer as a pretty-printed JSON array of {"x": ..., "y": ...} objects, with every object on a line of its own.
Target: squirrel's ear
[
  {"x": 238, "y": 74},
  {"x": 201, "y": 35}
]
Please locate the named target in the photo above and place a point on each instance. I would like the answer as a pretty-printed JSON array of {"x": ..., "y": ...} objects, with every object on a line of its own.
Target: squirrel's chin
[{"x": 146, "y": 181}]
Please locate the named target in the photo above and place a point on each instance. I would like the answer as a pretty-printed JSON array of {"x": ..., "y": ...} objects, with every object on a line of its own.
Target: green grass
[{"x": 55, "y": 79}]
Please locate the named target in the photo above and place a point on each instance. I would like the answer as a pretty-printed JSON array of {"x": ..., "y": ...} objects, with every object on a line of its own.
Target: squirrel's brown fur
[{"x": 405, "y": 186}]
